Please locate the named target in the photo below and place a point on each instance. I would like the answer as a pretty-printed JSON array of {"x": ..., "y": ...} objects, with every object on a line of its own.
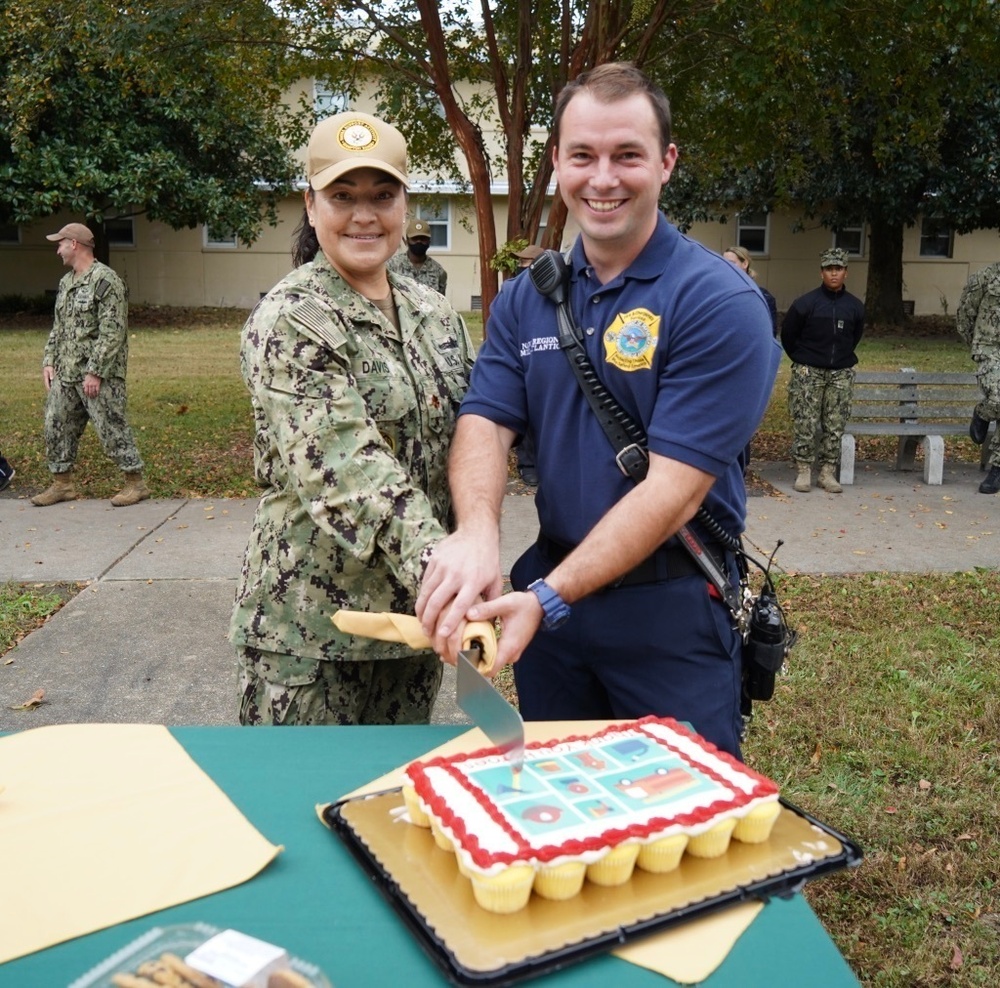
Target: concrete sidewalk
[{"x": 145, "y": 641}]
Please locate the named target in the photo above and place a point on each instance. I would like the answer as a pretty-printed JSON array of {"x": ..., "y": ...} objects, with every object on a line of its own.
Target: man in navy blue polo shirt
[{"x": 610, "y": 618}]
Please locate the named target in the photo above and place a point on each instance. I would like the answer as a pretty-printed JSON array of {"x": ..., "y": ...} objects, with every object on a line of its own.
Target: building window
[
  {"x": 936, "y": 239},
  {"x": 751, "y": 232},
  {"x": 438, "y": 217},
  {"x": 328, "y": 101},
  {"x": 10, "y": 233},
  {"x": 851, "y": 239},
  {"x": 220, "y": 238},
  {"x": 120, "y": 232}
]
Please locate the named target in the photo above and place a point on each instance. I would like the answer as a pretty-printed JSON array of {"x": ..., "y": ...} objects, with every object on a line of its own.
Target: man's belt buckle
[{"x": 631, "y": 458}]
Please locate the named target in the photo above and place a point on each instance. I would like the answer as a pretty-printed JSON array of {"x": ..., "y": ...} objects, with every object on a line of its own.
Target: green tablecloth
[{"x": 316, "y": 901}]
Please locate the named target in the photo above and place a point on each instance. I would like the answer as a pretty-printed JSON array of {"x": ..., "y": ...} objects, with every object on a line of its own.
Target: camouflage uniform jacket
[
  {"x": 978, "y": 313},
  {"x": 90, "y": 329},
  {"x": 430, "y": 273},
  {"x": 353, "y": 426}
]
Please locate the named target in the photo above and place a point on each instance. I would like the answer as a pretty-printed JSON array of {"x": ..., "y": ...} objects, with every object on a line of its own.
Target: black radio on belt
[{"x": 766, "y": 646}]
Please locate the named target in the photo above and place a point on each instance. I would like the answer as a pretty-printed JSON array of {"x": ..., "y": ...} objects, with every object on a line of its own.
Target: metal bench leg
[
  {"x": 847, "y": 447},
  {"x": 933, "y": 459}
]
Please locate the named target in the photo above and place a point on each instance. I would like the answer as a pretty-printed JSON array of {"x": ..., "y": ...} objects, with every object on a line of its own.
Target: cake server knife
[{"x": 491, "y": 713}]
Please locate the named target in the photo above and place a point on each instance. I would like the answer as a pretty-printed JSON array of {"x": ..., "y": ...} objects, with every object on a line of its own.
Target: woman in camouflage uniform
[{"x": 355, "y": 377}]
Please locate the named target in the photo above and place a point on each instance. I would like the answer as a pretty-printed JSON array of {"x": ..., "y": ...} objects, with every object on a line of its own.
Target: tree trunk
[
  {"x": 470, "y": 142},
  {"x": 102, "y": 248},
  {"x": 884, "y": 295}
]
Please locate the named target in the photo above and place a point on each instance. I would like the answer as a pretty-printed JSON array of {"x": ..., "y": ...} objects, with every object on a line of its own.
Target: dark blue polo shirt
[{"x": 681, "y": 338}]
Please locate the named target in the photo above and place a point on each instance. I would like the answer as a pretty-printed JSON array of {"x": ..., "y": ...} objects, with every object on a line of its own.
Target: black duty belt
[{"x": 667, "y": 563}]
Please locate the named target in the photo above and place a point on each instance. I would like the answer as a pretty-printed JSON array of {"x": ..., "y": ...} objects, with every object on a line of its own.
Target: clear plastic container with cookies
[{"x": 197, "y": 955}]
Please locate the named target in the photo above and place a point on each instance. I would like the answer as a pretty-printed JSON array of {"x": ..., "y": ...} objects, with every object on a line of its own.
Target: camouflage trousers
[
  {"x": 288, "y": 690},
  {"x": 67, "y": 412},
  {"x": 988, "y": 375},
  {"x": 819, "y": 401}
]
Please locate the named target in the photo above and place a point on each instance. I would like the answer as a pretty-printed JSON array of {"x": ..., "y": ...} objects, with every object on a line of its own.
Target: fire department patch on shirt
[{"x": 630, "y": 341}]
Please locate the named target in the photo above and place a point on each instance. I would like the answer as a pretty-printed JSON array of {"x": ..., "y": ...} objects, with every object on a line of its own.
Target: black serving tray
[{"x": 476, "y": 947}]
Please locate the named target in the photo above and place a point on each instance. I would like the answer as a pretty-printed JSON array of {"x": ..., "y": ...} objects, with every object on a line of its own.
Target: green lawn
[{"x": 886, "y": 726}]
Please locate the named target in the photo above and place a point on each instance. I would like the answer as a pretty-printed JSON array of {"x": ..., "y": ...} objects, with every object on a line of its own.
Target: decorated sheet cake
[{"x": 640, "y": 793}]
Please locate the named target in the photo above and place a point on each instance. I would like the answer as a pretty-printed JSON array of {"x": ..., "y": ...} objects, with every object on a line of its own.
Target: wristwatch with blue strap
[{"x": 555, "y": 610}]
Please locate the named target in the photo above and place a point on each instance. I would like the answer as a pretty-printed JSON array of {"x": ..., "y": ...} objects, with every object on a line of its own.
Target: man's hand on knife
[
  {"x": 463, "y": 570},
  {"x": 520, "y": 615}
]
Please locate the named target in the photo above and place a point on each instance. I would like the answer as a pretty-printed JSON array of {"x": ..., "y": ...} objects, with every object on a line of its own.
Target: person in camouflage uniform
[
  {"x": 978, "y": 323},
  {"x": 355, "y": 377},
  {"x": 414, "y": 262},
  {"x": 84, "y": 367},
  {"x": 820, "y": 333}
]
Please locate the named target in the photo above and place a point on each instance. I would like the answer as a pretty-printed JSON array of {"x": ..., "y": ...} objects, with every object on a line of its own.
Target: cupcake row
[{"x": 509, "y": 889}]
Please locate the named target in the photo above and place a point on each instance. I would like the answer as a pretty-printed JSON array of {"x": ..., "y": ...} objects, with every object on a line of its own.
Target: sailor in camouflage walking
[
  {"x": 978, "y": 323},
  {"x": 355, "y": 377},
  {"x": 820, "y": 334},
  {"x": 414, "y": 262},
  {"x": 84, "y": 367}
]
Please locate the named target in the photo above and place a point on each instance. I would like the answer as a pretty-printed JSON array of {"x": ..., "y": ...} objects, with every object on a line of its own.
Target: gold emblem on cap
[{"x": 356, "y": 135}]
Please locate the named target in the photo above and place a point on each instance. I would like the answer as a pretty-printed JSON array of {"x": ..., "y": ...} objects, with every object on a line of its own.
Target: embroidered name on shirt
[
  {"x": 630, "y": 341},
  {"x": 375, "y": 367},
  {"x": 529, "y": 347}
]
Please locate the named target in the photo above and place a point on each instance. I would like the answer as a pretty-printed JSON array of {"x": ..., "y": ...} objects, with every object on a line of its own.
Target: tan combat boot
[
  {"x": 62, "y": 488},
  {"x": 803, "y": 482},
  {"x": 828, "y": 481},
  {"x": 133, "y": 492}
]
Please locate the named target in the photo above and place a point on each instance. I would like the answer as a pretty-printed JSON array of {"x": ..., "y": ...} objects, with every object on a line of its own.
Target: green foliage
[
  {"x": 480, "y": 81},
  {"x": 36, "y": 305},
  {"x": 504, "y": 259},
  {"x": 880, "y": 119},
  {"x": 173, "y": 109}
]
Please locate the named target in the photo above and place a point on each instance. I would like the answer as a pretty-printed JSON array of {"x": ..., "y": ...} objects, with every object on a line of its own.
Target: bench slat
[
  {"x": 922, "y": 412},
  {"x": 907, "y": 428},
  {"x": 914, "y": 377},
  {"x": 907, "y": 393}
]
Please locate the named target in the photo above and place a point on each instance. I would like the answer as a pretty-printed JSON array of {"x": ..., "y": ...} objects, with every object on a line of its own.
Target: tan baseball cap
[
  {"x": 418, "y": 228},
  {"x": 74, "y": 231},
  {"x": 352, "y": 140}
]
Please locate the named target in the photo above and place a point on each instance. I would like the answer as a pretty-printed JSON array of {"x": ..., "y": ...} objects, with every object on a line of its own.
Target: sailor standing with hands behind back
[{"x": 820, "y": 333}]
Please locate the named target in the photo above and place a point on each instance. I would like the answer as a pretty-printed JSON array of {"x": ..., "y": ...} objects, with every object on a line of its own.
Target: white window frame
[
  {"x": 328, "y": 102},
  {"x": 212, "y": 241},
  {"x": 438, "y": 218},
  {"x": 752, "y": 227},
  {"x": 950, "y": 252},
  {"x": 859, "y": 229}
]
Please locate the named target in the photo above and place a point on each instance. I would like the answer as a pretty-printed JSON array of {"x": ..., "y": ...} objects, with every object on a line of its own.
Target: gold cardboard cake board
[{"x": 425, "y": 880}]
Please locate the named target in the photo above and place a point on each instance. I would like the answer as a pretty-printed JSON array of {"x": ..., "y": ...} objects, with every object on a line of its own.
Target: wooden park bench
[{"x": 918, "y": 407}]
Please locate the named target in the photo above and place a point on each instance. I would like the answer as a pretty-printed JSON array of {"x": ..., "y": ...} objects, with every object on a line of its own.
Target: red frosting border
[{"x": 416, "y": 771}]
